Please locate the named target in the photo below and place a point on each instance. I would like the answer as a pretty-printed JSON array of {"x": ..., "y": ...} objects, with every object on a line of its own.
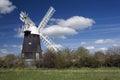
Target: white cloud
[
  {"x": 76, "y": 22},
  {"x": 83, "y": 43},
  {"x": 103, "y": 41},
  {"x": 58, "y": 31},
  {"x": 17, "y": 46},
  {"x": 4, "y": 51},
  {"x": 20, "y": 33},
  {"x": 115, "y": 45},
  {"x": 6, "y": 6},
  {"x": 62, "y": 27},
  {"x": 90, "y": 47},
  {"x": 102, "y": 49},
  {"x": 13, "y": 46}
]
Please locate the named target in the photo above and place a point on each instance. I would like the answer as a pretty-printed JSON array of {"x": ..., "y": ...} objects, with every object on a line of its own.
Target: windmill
[{"x": 31, "y": 50}]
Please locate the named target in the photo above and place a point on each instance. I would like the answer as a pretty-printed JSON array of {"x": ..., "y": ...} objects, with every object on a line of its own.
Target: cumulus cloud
[
  {"x": 103, "y": 41},
  {"x": 76, "y": 22},
  {"x": 115, "y": 45},
  {"x": 13, "y": 46},
  {"x": 58, "y": 31},
  {"x": 17, "y": 46},
  {"x": 62, "y": 27},
  {"x": 6, "y": 6},
  {"x": 4, "y": 51},
  {"x": 103, "y": 49},
  {"x": 83, "y": 43},
  {"x": 90, "y": 47}
]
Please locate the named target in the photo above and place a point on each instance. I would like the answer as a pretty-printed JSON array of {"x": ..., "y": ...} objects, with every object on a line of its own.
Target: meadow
[{"x": 61, "y": 74}]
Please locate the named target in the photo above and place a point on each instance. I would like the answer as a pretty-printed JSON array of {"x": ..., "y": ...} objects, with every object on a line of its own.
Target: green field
[{"x": 61, "y": 74}]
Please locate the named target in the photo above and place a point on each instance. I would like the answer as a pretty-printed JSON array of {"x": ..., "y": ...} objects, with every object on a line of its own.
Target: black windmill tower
[{"x": 31, "y": 49}]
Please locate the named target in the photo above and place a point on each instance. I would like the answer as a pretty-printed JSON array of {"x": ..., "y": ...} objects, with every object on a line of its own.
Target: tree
[
  {"x": 88, "y": 61},
  {"x": 19, "y": 62},
  {"x": 9, "y": 60},
  {"x": 113, "y": 57},
  {"x": 100, "y": 57},
  {"x": 68, "y": 55},
  {"x": 60, "y": 60},
  {"x": 78, "y": 55},
  {"x": 49, "y": 59},
  {"x": 2, "y": 62}
]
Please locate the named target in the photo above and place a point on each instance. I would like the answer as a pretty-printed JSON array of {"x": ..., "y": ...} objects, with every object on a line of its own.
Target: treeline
[{"x": 68, "y": 58}]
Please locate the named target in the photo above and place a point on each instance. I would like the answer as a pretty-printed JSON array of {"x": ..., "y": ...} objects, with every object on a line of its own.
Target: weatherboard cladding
[{"x": 31, "y": 44}]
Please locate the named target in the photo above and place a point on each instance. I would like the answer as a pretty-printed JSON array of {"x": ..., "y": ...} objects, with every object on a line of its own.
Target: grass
[{"x": 61, "y": 74}]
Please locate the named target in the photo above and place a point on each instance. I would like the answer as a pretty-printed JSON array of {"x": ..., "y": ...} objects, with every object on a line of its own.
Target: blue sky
[{"x": 100, "y": 21}]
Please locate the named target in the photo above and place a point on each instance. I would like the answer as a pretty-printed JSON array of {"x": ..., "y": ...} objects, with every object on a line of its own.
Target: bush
[{"x": 67, "y": 58}]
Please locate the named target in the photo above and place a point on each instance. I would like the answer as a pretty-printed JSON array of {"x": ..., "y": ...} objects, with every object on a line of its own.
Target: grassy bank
[{"x": 61, "y": 74}]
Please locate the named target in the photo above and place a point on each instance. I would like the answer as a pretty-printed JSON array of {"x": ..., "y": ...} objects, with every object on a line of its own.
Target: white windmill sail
[
  {"x": 46, "y": 18},
  {"x": 28, "y": 23},
  {"x": 49, "y": 43}
]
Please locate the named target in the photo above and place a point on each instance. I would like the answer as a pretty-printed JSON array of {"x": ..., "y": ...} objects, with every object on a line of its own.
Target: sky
[{"x": 93, "y": 24}]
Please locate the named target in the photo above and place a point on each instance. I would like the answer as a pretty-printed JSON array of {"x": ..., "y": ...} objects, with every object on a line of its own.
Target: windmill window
[{"x": 29, "y": 43}]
